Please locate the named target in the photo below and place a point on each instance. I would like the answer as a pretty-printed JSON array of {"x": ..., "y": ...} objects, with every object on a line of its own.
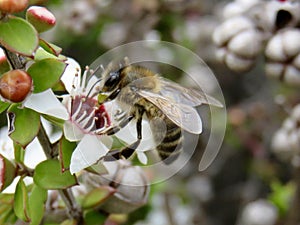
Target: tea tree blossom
[{"x": 86, "y": 118}]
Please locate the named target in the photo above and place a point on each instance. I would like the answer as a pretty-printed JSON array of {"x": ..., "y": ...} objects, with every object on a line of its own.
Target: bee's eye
[{"x": 112, "y": 80}]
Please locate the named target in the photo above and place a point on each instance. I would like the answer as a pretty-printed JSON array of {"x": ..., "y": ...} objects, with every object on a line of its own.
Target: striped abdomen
[{"x": 168, "y": 146}]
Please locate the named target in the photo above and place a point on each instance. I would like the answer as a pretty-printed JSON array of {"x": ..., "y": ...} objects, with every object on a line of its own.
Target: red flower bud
[
  {"x": 13, "y": 6},
  {"x": 41, "y": 18},
  {"x": 15, "y": 85}
]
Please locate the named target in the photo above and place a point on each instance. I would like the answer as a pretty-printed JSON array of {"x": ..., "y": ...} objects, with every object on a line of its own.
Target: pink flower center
[{"x": 87, "y": 115}]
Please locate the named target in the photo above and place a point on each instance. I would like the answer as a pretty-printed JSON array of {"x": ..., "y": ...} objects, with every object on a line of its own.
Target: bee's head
[
  {"x": 112, "y": 80},
  {"x": 113, "y": 76},
  {"x": 111, "y": 85}
]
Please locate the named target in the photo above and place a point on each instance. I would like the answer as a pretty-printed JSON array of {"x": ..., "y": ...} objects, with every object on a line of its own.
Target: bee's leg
[
  {"x": 127, "y": 151},
  {"x": 118, "y": 127}
]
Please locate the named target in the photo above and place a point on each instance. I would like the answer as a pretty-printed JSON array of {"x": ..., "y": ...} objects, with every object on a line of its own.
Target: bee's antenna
[
  {"x": 97, "y": 69},
  {"x": 90, "y": 91}
]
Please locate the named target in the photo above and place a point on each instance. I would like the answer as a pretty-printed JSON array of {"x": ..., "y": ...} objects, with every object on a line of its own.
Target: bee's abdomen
[{"x": 171, "y": 145}]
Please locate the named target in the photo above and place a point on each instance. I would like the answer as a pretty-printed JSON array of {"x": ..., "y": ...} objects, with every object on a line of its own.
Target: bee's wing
[
  {"x": 182, "y": 115},
  {"x": 184, "y": 95}
]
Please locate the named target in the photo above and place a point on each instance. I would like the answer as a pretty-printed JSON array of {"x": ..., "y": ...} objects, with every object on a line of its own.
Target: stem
[
  {"x": 67, "y": 196},
  {"x": 73, "y": 210},
  {"x": 45, "y": 142},
  {"x": 13, "y": 59},
  {"x": 168, "y": 209}
]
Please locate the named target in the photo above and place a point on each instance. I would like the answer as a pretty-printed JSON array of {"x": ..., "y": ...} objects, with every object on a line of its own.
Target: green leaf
[
  {"x": 19, "y": 36},
  {"x": 37, "y": 200},
  {"x": 19, "y": 153},
  {"x": 66, "y": 149},
  {"x": 7, "y": 215},
  {"x": 94, "y": 218},
  {"x": 24, "y": 124},
  {"x": 49, "y": 47},
  {"x": 21, "y": 201},
  {"x": 4, "y": 65},
  {"x": 97, "y": 196},
  {"x": 69, "y": 222},
  {"x": 56, "y": 121},
  {"x": 43, "y": 54},
  {"x": 118, "y": 143},
  {"x": 281, "y": 196},
  {"x": 8, "y": 172},
  {"x": 3, "y": 106},
  {"x": 48, "y": 175},
  {"x": 46, "y": 73},
  {"x": 6, "y": 198}
]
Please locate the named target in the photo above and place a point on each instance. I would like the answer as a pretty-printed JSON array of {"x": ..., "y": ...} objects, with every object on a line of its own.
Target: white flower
[{"x": 85, "y": 118}]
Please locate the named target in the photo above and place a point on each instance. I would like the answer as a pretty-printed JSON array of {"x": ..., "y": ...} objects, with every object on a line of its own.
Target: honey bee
[{"x": 139, "y": 91}]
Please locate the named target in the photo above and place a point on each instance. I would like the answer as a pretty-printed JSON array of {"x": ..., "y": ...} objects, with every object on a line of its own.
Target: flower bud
[
  {"x": 285, "y": 142},
  {"x": 130, "y": 183},
  {"x": 13, "y": 6},
  {"x": 238, "y": 7},
  {"x": 276, "y": 15},
  {"x": 15, "y": 85},
  {"x": 259, "y": 212},
  {"x": 7, "y": 172},
  {"x": 230, "y": 28},
  {"x": 41, "y": 18},
  {"x": 239, "y": 43},
  {"x": 283, "y": 55}
]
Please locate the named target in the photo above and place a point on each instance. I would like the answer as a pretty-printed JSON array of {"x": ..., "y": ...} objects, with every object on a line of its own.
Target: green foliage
[
  {"x": 49, "y": 175},
  {"x": 19, "y": 153},
  {"x": 66, "y": 149},
  {"x": 7, "y": 172},
  {"x": 21, "y": 204},
  {"x": 93, "y": 217},
  {"x": 46, "y": 73},
  {"x": 7, "y": 215},
  {"x": 97, "y": 196},
  {"x": 19, "y": 130},
  {"x": 37, "y": 200},
  {"x": 17, "y": 35},
  {"x": 281, "y": 196}
]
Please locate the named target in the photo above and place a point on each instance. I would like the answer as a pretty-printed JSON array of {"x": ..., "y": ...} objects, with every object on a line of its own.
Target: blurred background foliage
[{"x": 246, "y": 172}]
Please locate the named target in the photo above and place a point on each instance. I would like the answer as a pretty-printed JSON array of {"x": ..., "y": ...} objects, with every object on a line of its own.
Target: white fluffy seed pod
[
  {"x": 274, "y": 15},
  {"x": 283, "y": 56},
  {"x": 130, "y": 182},
  {"x": 238, "y": 7},
  {"x": 259, "y": 212},
  {"x": 239, "y": 43},
  {"x": 286, "y": 141}
]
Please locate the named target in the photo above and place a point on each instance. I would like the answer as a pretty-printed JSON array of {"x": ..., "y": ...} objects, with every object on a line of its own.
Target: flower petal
[
  {"x": 7, "y": 147},
  {"x": 72, "y": 132},
  {"x": 47, "y": 103},
  {"x": 129, "y": 135},
  {"x": 68, "y": 76},
  {"x": 34, "y": 154},
  {"x": 142, "y": 157},
  {"x": 89, "y": 150}
]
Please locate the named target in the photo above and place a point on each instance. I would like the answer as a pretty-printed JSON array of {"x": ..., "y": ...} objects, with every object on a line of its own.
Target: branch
[
  {"x": 13, "y": 59},
  {"x": 168, "y": 209},
  {"x": 67, "y": 196}
]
